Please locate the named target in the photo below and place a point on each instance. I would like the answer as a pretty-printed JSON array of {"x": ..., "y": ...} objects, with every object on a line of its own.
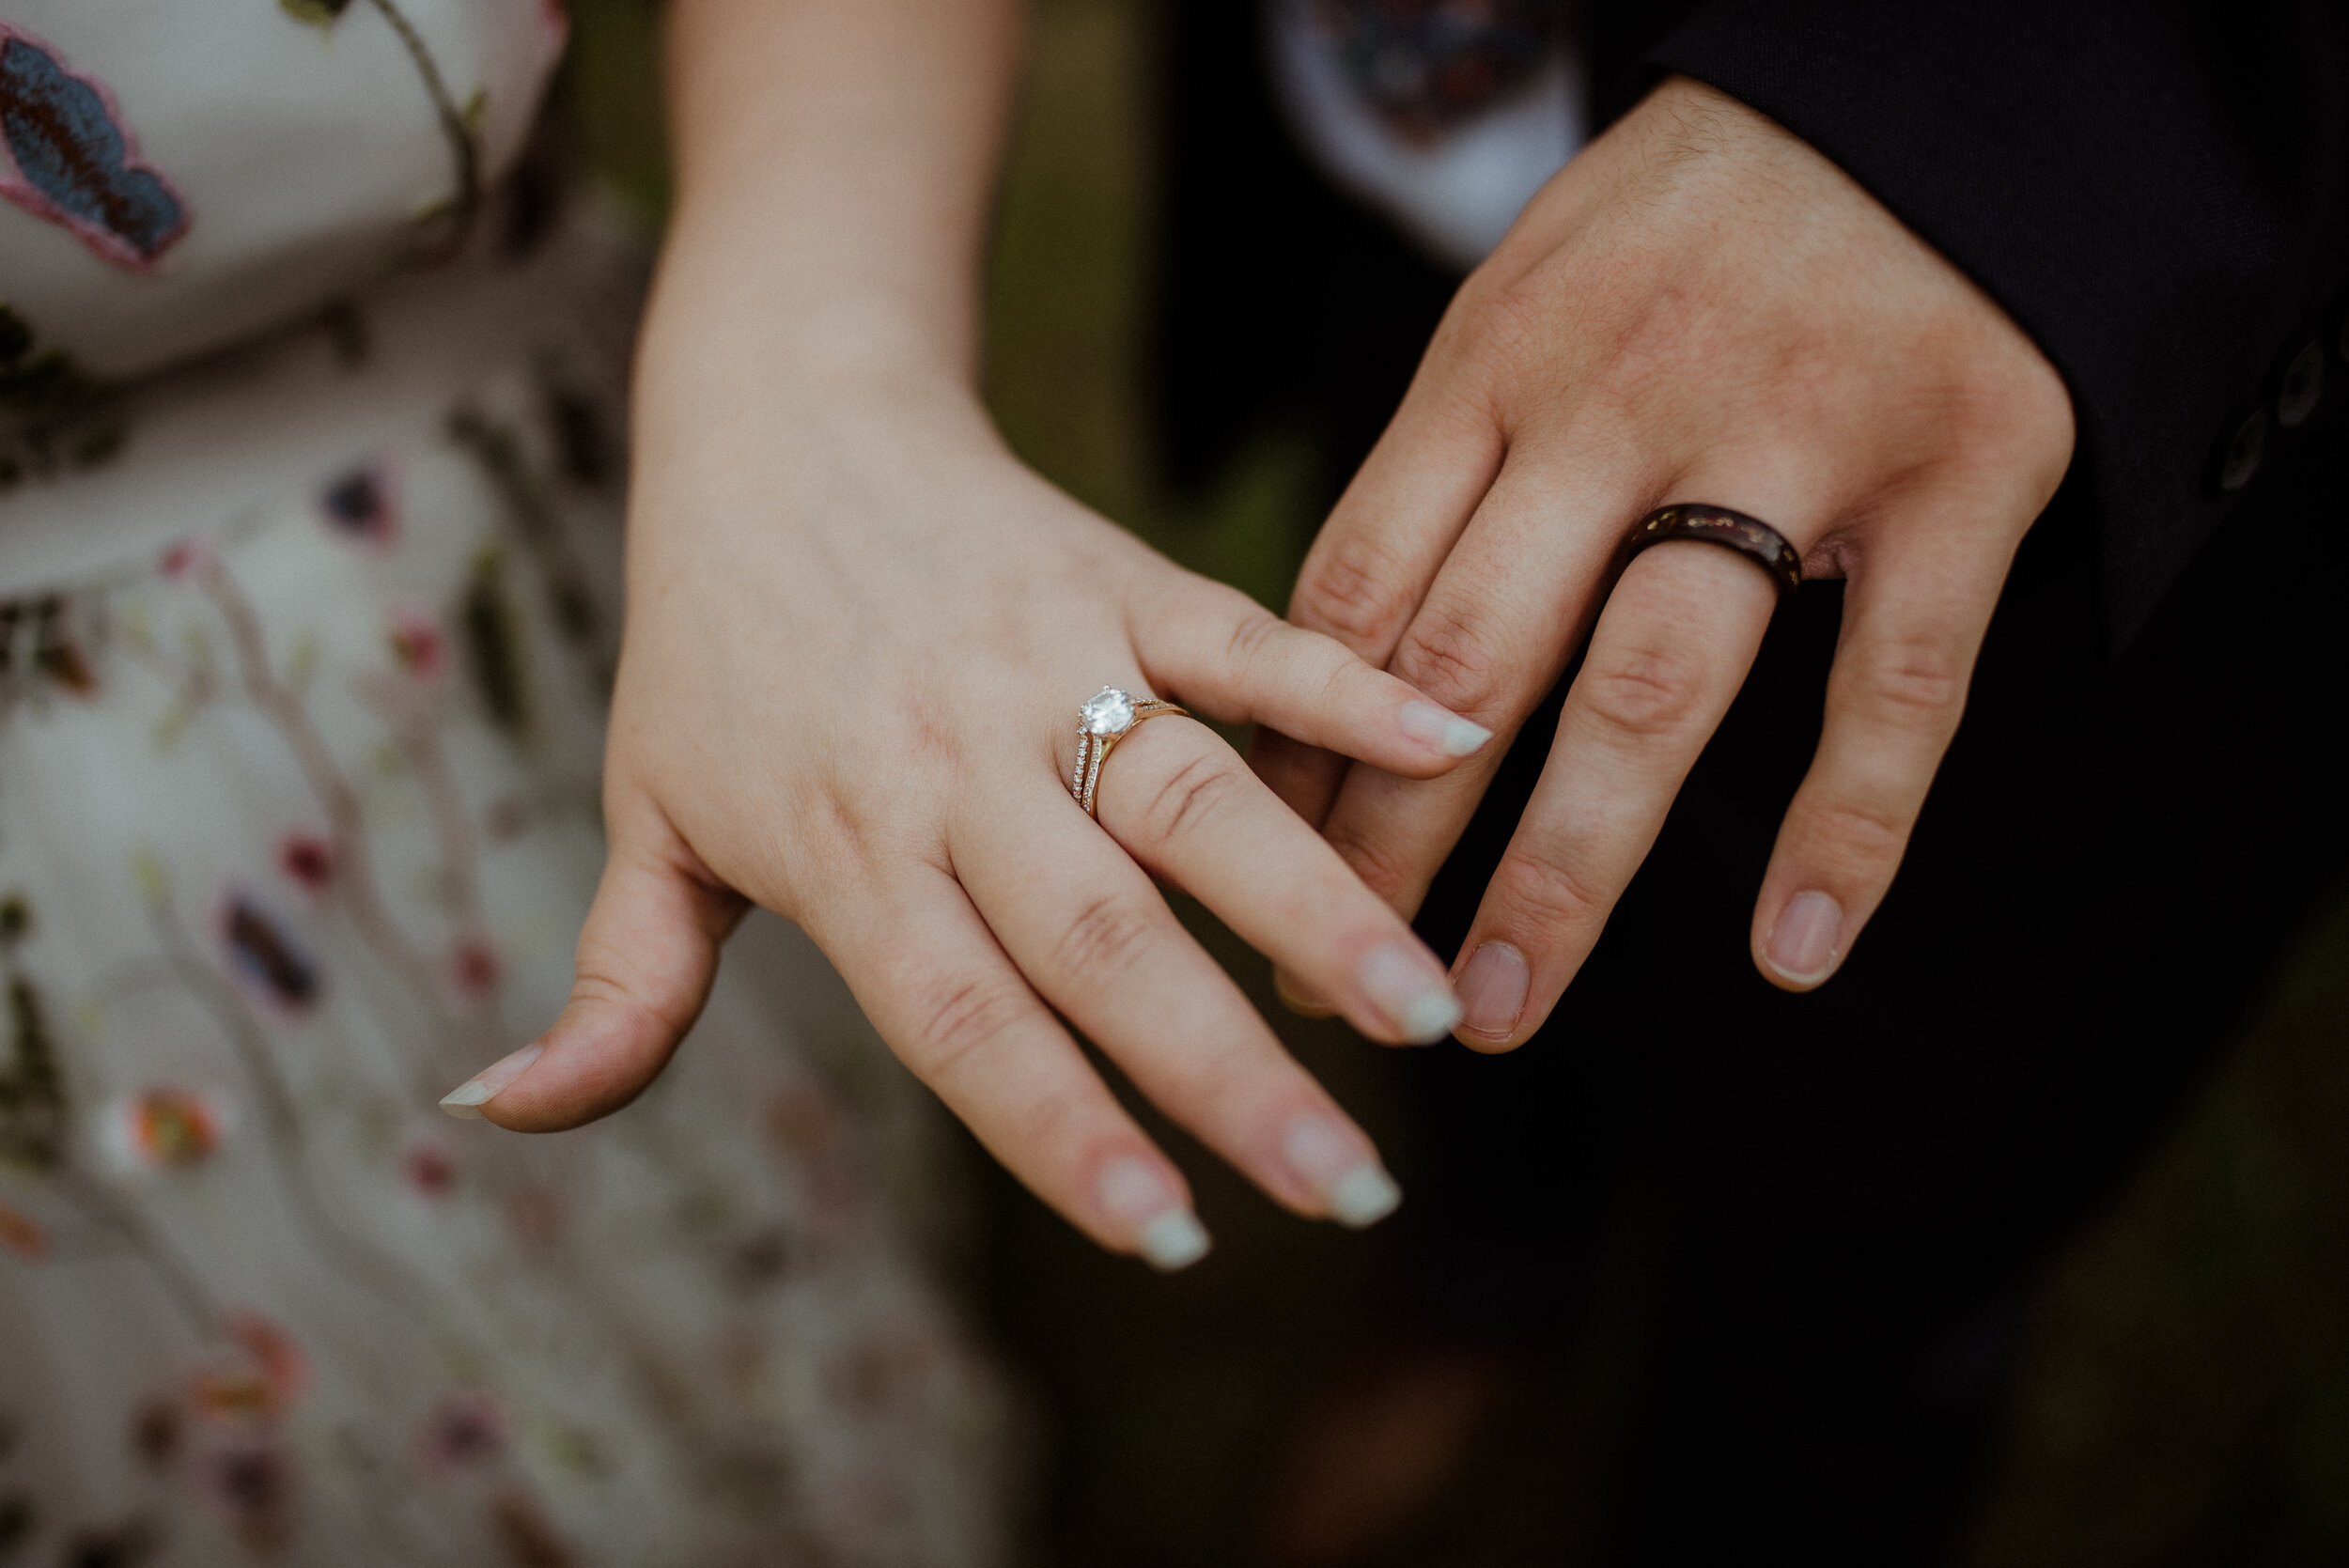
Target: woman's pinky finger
[
  {"x": 1913, "y": 621},
  {"x": 929, "y": 973}
]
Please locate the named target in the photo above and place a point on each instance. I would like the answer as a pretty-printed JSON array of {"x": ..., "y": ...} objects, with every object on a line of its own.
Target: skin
[
  {"x": 858, "y": 633},
  {"x": 1699, "y": 308},
  {"x": 858, "y": 628}
]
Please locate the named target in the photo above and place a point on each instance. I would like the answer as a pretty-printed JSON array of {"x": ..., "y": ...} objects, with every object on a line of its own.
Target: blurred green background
[{"x": 2186, "y": 1396}]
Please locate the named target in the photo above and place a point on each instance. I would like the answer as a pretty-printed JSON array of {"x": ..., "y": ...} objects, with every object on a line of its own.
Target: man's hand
[{"x": 1699, "y": 308}]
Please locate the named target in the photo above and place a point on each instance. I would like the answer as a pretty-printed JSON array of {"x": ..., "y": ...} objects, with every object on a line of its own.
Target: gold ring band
[{"x": 1108, "y": 718}]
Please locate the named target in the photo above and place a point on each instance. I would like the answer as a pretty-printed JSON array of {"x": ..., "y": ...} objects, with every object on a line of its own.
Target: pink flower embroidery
[
  {"x": 185, "y": 559},
  {"x": 430, "y": 1169},
  {"x": 273, "y": 1353},
  {"x": 23, "y": 1235},
  {"x": 417, "y": 641},
  {"x": 463, "y": 1430},
  {"x": 307, "y": 860},
  {"x": 263, "y": 1375},
  {"x": 474, "y": 968}
]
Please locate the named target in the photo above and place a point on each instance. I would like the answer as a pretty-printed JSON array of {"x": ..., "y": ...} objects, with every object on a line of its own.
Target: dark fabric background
[{"x": 1856, "y": 1185}]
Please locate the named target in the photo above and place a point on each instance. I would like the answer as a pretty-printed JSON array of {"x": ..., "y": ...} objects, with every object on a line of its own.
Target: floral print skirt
[{"x": 298, "y": 823}]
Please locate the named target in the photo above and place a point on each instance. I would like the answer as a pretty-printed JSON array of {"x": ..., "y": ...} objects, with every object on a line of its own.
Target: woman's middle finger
[
  {"x": 1095, "y": 938},
  {"x": 1189, "y": 811}
]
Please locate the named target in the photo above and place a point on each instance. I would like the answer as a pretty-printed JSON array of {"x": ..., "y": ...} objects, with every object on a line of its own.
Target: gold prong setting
[{"x": 1107, "y": 718}]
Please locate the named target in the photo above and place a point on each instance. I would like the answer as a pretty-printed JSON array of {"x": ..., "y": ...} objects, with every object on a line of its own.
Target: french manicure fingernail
[
  {"x": 1803, "y": 945},
  {"x": 493, "y": 1081},
  {"x": 1174, "y": 1241},
  {"x": 1406, "y": 985},
  {"x": 1443, "y": 729},
  {"x": 1167, "y": 1234},
  {"x": 1492, "y": 990},
  {"x": 1333, "y": 1162}
]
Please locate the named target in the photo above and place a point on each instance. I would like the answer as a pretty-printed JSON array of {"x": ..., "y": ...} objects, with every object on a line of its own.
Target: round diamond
[{"x": 1110, "y": 712}]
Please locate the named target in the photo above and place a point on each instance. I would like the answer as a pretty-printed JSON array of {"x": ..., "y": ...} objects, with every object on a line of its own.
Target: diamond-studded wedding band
[{"x": 1108, "y": 718}]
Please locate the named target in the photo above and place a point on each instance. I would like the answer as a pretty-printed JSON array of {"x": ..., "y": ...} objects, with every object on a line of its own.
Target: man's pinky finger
[
  {"x": 1911, "y": 629},
  {"x": 931, "y": 977}
]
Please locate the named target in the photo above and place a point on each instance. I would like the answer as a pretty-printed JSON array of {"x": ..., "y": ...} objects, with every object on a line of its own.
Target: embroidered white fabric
[{"x": 305, "y": 623}]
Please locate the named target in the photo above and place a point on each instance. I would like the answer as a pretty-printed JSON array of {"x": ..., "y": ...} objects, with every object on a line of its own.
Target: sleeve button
[{"x": 2302, "y": 384}]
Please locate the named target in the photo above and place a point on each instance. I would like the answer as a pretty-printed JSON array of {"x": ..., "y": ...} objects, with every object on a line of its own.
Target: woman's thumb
[{"x": 646, "y": 957}]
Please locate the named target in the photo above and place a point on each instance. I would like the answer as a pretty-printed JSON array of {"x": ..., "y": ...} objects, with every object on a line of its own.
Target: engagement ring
[{"x": 1101, "y": 724}]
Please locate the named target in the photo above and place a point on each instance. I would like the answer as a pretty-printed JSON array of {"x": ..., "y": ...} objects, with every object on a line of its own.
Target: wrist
[
  {"x": 764, "y": 299},
  {"x": 731, "y": 361}
]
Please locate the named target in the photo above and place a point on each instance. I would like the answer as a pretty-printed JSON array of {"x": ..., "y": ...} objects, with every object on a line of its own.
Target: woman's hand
[
  {"x": 1699, "y": 308},
  {"x": 858, "y": 635}
]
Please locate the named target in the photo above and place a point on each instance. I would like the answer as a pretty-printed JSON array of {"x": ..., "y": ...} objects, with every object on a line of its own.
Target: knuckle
[
  {"x": 599, "y": 976},
  {"x": 1191, "y": 796},
  {"x": 1382, "y": 870},
  {"x": 1643, "y": 693},
  {"x": 1254, "y": 628},
  {"x": 1909, "y": 682},
  {"x": 1858, "y": 831},
  {"x": 1350, "y": 591},
  {"x": 1451, "y": 659},
  {"x": 960, "y": 1017},
  {"x": 1043, "y": 1126},
  {"x": 1503, "y": 321},
  {"x": 1549, "y": 895},
  {"x": 1106, "y": 939}
]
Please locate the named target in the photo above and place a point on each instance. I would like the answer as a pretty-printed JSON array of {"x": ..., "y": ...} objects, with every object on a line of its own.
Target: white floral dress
[{"x": 309, "y": 478}]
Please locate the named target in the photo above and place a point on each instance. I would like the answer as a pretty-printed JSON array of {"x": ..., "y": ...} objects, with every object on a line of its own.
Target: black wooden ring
[{"x": 1719, "y": 525}]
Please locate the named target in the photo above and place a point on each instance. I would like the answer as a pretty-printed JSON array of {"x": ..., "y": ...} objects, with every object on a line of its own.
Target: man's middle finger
[
  {"x": 1489, "y": 641},
  {"x": 1668, "y": 653}
]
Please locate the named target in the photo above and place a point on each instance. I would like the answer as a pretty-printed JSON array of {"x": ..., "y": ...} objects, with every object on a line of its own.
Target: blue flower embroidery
[{"x": 74, "y": 163}]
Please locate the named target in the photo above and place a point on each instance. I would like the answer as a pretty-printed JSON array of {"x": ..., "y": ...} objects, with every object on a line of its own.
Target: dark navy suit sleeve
[{"x": 2157, "y": 192}]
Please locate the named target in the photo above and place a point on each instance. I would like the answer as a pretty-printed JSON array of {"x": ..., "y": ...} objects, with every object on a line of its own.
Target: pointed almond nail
[
  {"x": 1443, "y": 729},
  {"x": 1174, "y": 1240},
  {"x": 1167, "y": 1234},
  {"x": 467, "y": 1101},
  {"x": 1337, "y": 1162},
  {"x": 1405, "y": 984}
]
